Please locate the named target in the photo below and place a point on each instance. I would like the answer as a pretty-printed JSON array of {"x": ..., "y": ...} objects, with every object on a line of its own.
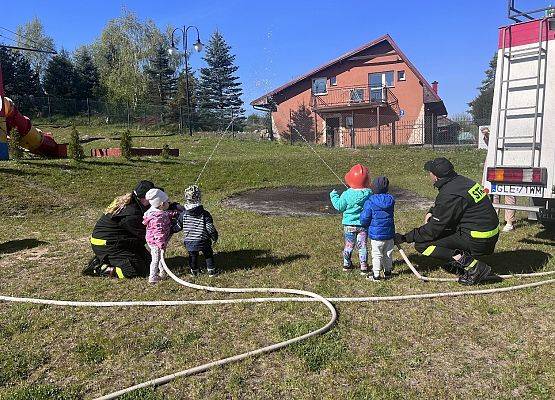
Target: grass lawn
[{"x": 495, "y": 347}]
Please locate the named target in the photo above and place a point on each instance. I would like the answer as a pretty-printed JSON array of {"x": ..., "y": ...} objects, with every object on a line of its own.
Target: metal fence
[{"x": 362, "y": 130}]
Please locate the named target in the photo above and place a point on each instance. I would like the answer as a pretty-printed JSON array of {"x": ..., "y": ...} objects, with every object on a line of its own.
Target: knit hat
[
  {"x": 380, "y": 184},
  {"x": 192, "y": 195},
  {"x": 143, "y": 187},
  {"x": 156, "y": 197},
  {"x": 440, "y": 167},
  {"x": 357, "y": 177}
]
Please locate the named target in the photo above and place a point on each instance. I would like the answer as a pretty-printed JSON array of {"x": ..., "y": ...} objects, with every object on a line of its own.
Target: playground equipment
[{"x": 32, "y": 138}]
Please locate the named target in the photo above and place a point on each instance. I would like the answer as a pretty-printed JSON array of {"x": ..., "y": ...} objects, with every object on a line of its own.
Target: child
[
  {"x": 158, "y": 223},
  {"x": 350, "y": 203},
  {"x": 378, "y": 216},
  {"x": 199, "y": 231}
]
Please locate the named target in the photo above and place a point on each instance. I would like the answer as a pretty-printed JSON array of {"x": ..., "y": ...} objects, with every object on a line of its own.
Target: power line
[{"x": 24, "y": 37}]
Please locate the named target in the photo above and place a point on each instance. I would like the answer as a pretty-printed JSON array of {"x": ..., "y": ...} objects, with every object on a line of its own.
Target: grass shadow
[
  {"x": 54, "y": 165},
  {"x": 229, "y": 261},
  {"x": 14, "y": 246},
  {"x": 18, "y": 172}
]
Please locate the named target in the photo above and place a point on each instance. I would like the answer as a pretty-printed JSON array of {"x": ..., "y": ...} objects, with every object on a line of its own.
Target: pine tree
[
  {"x": 75, "y": 149},
  {"x": 87, "y": 77},
  {"x": 162, "y": 82},
  {"x": 480, "y": 107},
  {"x": 302, "y": 124},
  {"x": 219, "y": 90},
  {"x": 125, "y": 144},
  {"x": 21, "y": 83}
]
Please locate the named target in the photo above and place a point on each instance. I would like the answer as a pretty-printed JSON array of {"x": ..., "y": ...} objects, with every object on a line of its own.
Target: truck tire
[{"x": 548, "y": 224}]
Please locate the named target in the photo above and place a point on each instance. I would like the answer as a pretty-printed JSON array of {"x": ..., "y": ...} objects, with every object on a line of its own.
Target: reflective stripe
[
  {"x": 98, "y": 242},
  {"x": 484, "y": 235},
  {"x": 429, "y": 250},
  {"x": 473, "y": 263},
  {"x": 119, "y": 273}
]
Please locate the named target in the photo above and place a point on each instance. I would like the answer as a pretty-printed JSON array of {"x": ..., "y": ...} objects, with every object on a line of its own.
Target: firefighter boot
[{"x": 475, "y": 271}]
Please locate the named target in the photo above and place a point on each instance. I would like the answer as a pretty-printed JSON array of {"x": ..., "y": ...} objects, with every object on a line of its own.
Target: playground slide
[{"x": 32, "y": 139}]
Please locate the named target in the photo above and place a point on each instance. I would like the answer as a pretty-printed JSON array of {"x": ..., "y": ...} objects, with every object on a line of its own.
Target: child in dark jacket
[
  {"x": 198, "y": 231},
  {"x": 377, "y": 215}
]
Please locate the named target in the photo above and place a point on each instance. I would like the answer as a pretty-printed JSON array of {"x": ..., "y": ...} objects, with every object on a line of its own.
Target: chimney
[{"x": 434, "y": 86}]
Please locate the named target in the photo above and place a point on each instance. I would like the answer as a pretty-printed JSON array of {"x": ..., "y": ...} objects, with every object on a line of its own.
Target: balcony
[{"x": 352, "y": 97}]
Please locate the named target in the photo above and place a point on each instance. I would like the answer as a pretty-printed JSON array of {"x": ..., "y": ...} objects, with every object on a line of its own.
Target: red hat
[{"x": 357, "y": 177}]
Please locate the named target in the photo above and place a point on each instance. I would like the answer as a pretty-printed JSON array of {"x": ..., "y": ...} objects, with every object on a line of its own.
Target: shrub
[
  {"x": 16, "y": 151},
  {"x": 165, "y": 152},
  {"x": 125, "y": 144},
  {"x": 75, "y": 149}
]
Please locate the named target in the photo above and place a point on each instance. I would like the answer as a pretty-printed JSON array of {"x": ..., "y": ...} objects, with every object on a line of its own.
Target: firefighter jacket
[{"x": 461, "y": 205}]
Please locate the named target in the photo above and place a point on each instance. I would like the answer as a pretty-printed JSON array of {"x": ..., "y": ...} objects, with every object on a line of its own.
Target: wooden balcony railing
[{"x": 353, "y": 96}]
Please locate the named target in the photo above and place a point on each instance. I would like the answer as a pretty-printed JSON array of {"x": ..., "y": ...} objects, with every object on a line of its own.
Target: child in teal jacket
[{"x": 351, "y": 203}]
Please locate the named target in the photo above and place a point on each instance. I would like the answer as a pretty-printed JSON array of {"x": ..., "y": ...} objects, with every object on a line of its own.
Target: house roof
[{"x": 429, "y": 95}]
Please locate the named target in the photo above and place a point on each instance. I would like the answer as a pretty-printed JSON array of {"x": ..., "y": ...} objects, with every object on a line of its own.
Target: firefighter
[
  {"x": 118, "y": 239},
  {"x": 461, "y": 226}
]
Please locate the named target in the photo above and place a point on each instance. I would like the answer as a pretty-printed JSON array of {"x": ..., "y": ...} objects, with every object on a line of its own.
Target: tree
[
  {"x": 161, "y": 77},
  {"x": 219, "y": 90},
  {"x": 21, "y": 83},
  {"x": 180, "y": 99},
  {"x": 31, "y": 34},
  {"x": 121, "y": 54},
  {"x": 301, "y": 124},
  {"x": 75, "y": 149},
  {"x": 480, "y": 107},
  {"x": 87, "y": 77},
  {"x": 59, "y": 76}
]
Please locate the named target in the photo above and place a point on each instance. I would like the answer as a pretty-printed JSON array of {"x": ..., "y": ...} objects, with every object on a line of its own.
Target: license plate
[{"x": 515, "y": 190}]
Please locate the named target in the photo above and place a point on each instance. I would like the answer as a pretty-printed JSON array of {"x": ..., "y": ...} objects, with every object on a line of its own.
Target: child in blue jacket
[
  {"x": 377, "y": 215},
  {"x": 350, "y": 204}
]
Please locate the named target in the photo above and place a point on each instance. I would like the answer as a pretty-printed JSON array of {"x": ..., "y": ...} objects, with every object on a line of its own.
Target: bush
[
  {"x": 165, "y": 152},
  {"x": 75, "y": 149},
  {"x": 125, "y": 144},
  {"x": 16, "y": 151}
]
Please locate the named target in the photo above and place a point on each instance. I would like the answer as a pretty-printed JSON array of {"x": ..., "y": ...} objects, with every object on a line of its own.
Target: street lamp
[{"x": 173, "y": 50}]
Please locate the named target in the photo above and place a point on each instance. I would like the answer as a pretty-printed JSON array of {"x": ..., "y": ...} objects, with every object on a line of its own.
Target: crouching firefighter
[
  {"x": 118, "y": 239},
  {"x": 461, "y": 227}
]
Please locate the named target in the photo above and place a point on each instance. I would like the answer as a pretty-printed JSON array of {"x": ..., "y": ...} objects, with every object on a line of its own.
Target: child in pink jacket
[{"x": 158, "y": 221}]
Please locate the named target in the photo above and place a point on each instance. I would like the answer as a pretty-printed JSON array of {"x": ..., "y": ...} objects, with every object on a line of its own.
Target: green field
[{"x": 495, "y": 347}]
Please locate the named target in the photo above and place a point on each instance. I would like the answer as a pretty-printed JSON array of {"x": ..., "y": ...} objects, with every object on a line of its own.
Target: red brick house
[{"x": 371, "y": 95}]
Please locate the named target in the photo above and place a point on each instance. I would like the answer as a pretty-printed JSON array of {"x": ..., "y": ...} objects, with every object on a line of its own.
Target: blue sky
[{"x": 275, "y": 41}]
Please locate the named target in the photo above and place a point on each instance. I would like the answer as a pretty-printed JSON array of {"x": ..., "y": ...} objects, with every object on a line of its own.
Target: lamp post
[{"x": 173, "y": 50}]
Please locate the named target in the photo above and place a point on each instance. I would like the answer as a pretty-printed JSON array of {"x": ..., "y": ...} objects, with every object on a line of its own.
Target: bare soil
[{"x": 309, "y": 201}]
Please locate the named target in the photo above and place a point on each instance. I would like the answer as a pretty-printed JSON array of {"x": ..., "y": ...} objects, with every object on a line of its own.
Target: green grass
[{"x": 492, "y": 347}]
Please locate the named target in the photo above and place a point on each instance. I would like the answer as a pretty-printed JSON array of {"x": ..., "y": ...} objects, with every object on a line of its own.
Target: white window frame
[
  {"x": 325, "y": 79},
  {"x": 334, "y": 83},
  {"x": 404, "y": 78}
]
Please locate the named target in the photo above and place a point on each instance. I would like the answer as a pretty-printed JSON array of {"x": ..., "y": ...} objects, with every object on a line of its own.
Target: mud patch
[{"x": 309, "y": 201}]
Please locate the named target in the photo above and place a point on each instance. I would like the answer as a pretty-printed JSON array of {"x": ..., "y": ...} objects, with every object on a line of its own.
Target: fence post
[
  {"x": 379, "y": 129},
  {"x": 393, "y": 127},
  {"x": 180, "y": 118},
  {"x": 433, "y": 134}
]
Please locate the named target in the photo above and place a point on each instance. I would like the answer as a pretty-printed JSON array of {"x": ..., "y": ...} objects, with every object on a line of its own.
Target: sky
[{"x": 274, "y": 41}]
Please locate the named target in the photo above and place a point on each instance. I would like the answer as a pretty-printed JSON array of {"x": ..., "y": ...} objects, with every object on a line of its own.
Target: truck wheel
[{"x": 548, "y": 224}]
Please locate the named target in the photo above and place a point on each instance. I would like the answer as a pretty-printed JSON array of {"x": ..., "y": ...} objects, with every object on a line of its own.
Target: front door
[{"x": 332, "y": 131}]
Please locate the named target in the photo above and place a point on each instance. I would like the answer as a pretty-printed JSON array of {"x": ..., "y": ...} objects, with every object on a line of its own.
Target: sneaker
[
  {"x": 373, "y": 278},
  {"x": 348, "y": 268},
  {"x": 387, "y": 275},
  {"x": 154, "y": 280},
  {"x": 476, "y": 274},
  {"x": 364, "y": 271},
  {"x": 508, "y": 227},
  {"x": 212, "y": 272},
  {"x": 195, "y": 272}
]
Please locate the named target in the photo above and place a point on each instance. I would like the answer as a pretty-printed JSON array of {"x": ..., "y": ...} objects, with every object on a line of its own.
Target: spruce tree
[
  {"x": 75, "y": 149},
  {"x": 480, "y": 107},
  {"x": 162, "y": 82},
  {"x": 219, "y": 89},
  {"x": 21, "y": 83},
  {"x": 59, "y": 82},
  {"x": 125, "y": 144},
  {"x": 87, "y": 77}
]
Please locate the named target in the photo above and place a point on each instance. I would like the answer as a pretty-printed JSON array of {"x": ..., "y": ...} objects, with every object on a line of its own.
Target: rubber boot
[{"x": 475, "y": 270}]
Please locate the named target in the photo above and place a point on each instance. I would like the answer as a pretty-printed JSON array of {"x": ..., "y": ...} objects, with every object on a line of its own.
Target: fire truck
[{"x": 521, "y": 147}]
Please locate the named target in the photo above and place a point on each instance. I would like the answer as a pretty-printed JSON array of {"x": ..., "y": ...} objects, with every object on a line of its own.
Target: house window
[
  {"x": 377, "y": 81},
  {"x": 333, "y": 81},
  {"x": 349, "y": 121},
  {"x": 319, "y": 86},
  {"x": 401, "y": 76}
]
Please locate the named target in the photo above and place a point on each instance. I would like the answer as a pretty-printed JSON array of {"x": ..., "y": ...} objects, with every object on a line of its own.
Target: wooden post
[
  {"x": 353, "y": 138},
  {"x": 393, "y": 126},
  {"x": 378, "y": 122}
]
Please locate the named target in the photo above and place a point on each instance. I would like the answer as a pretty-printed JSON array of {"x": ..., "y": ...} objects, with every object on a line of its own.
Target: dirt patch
[{"x": 309, "y": 201}]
